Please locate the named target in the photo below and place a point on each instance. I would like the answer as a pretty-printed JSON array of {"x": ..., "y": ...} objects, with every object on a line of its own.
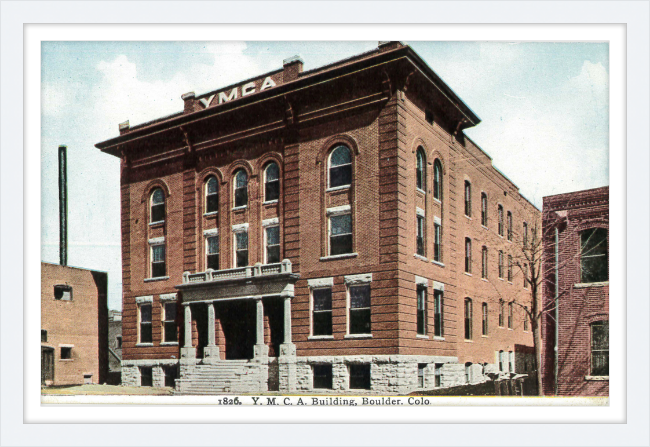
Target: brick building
[
  {"x": 322, "y": 229},
  {"x": 74, "y": 325},
  {"x": 579, "y": 222}
]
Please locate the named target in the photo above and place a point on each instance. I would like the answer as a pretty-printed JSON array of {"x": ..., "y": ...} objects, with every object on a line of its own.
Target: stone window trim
[
  {"x": 343, "y": 209},
  {"x": 211, "y": 232},
  {"x": 421, "y": 281},
  {"x": 419, "y": 211},
  {"x": 240, "y": 227},
  {"x": 597, "y": 378},
  {"x": 364, "y": 278},
  {"x": 338, "y": 188},
  {"x": 144, "y": 299},
  {"x": 584, "y": 285},
  {"x": 159, "y": 278},
  {"x": 270, "y": 222},
  {"x": 342, "y": 256},
  {"x": 438, "y": 286},
  {"x": 436, "y": 220},
  {"x": 353, "y": 281},
  {"x": 211, "y": 213},
  {"x": 169, "y": 297},
  {"x": 157, "y": 240},
  {"x": 318, "y": 283}
]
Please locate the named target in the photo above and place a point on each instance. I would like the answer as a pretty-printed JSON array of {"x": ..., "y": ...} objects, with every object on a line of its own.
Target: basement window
[
  {"x": 360, "y": 376},
  {"x": 421, "y": 367},
  {"x": 322, "y": 376},
  {"x": 66, "y": 353},
  {"x": 63, "y": 292},
  {"x": 171, "y": 374},
  {"x": 146, "y": 376}
]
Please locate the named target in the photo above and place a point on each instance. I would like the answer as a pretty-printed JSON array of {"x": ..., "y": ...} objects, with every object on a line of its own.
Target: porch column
[
  {"x": 287, "y": 358},
  {"x": 211, "y": 351},
  {"x": 287, "y": 319},
  {"x": 188, "y": 352},
  {"x": 261, "y": 350}
]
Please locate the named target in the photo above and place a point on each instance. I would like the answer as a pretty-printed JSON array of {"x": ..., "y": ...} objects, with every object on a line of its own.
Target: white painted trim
[
  {"x": 421, "y": 280},
  {"x": 157, "y": 240},
  {"x": 320, "y": 282},
  {"x": 419, "y": 211},
  {"x": 269, "y": 222},
  {"x": 240, "y": 227},
  {"x": 343, "y": 209},
  {"x": 437, "y": 220},
  {"x": 343, "y": 256},
  {"x": 65, "y": 345},
  {"x": 211, "y": 232},
  {"x": 211, "y": 213},
  {"x": 169, "y": 297},
  {"x": 363, "y": 278},
  {"x": 144, "y": 299},
  {"x": 438, "y": 286},
  {"x": 338, "y": 188}
]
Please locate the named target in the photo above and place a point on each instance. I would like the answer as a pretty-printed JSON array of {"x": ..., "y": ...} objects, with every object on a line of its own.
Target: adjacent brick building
[
  {"x": 579, "y": 222},
  {"x": 74, "y": 325},
  {"x": 114, "y": 347},
  {"x": 319, "y": 229}
]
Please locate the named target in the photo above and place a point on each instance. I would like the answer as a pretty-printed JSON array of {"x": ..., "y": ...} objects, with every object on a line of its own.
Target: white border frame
[{"x": 633, "y": 32}]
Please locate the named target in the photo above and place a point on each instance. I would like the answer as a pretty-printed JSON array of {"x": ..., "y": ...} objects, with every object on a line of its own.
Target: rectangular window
[
  {"x": 422, "y": 309},
  {"x": 272, "y": 245},
  {"x": 63, "y": 292},
  {"x": 525, "y": 272},
  {"x": 484, "y": 263},
  {"x": 241, "y": 249},
  {"x": 502, "y": 361},
  {"x": 512, "y": 361},
  {"x": 118, "y": 342},
  {"x": 593, "y": 256},
  {"x": 438, "y": 375},
  {"x": 468, "y": 255},
  {"x": 501, "y": 312},
  {"x": 510, "y": 315},
  {"x": 500, "y": 219},
  {"x": 359, "y": 309},
  {"x": 421, "y": 368},
  {"x": 212, "y": 250},
  {"x": 146, "y": 376},
  {"x": 360, "y": 376},
  {"x": 322, "y": 376},
  {"x": 171, "y": 374},
  {"x": 468, "y": 319},
  {"x": 600, "y": 348},
  {"x": 509, "y": 226},
  {"x": 145, "y": 323},
  {"x": 437, "y": 243},
  {"x": 525, "y": 234},
  {"x": 322, "y": 311},
  {"x": 420, "y": 235},
  {"x": 510, "y": 268},
  {"x": 43, "y": 335},
  {"x": 169, "y": 322},
  {"x": 437, "y": 314},
  {"x": 484, "y": 210},
  {"x": 158, "y": 267},
  {"x": 501, "y": 264},
  {"x": 340, "y": 234},
  {"x": 66, "y": 353},
  {"x": 484, "y": 328},
  {"x": 468, "y": 199},
  {"x": 525, "y": 318}
]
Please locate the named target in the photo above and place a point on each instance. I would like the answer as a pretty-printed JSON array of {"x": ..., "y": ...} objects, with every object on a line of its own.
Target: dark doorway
[
  {"x": 47, "y": 364},
  {"x": 274, "y": 311},
  {"x": 238, "y": 325},
  {"x": 200, "y": 317}
]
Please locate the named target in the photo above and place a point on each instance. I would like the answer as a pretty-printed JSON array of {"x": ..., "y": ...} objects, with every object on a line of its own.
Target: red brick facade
[
  {"x": 79, "y": 324},
  {"x": 581, "y": 303},
  {"x": 383, "y": 106}
]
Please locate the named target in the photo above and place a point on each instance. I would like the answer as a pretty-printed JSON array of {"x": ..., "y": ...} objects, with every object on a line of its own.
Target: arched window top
[
  {"x": 272, "y": 172},
  {"x": 340, "y": 156},
  {"x": 211, "y": 194},
  {"x": 241, "y": 188},
  {"x": 437, "y": 179},
  {"x": 241, "y": 179},
  {"x": 340, "y": 167},
  {"x": 420, "y": 173},
  {"x": 211, "y": 185},
  {"x": 157, "y": 196}
]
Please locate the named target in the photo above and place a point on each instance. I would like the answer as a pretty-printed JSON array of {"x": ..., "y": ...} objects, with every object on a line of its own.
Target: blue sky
[{"x": 544, "y": 110}]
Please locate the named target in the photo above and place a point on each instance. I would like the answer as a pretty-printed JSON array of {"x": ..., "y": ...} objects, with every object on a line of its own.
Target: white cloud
[{"x": 53, "y": 99}]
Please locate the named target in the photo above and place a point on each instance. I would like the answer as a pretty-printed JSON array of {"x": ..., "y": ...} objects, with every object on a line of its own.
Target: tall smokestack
[{"x": 63, "y": 206}]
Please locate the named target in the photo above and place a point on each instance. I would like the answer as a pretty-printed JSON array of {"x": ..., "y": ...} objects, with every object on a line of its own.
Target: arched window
[
  {"x": 420, "y": 172},
  {"x": 484, "y": 212},
  {"x": 500, "y": 220},
  {"x": 437, "y": 180},
  {"x": 468, "y": 319},
  {"x": 241, "y": 188},
  {"x": 468, "y": 199},
  {"x": 211, "y": 195},
  {"x": 509, "y": 226},
  {"x": 157, "y": 206},
  {"x": 484, "y": 262},
  {"x": 468, "y": 255},
  {"x": 271, "y": 182},
  {"x": 340, "y": 167}
]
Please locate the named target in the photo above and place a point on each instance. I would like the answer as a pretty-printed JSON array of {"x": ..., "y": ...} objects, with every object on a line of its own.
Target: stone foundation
[{"x": 131, "y": 371}]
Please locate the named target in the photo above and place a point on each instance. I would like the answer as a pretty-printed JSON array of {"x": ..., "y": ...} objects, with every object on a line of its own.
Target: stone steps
[{"x": 229, "y": 376}]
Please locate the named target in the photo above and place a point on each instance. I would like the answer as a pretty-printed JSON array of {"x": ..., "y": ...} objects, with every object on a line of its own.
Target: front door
[
  {"x": 238, "y": 325},
  {"x": 47, "y": 364}
]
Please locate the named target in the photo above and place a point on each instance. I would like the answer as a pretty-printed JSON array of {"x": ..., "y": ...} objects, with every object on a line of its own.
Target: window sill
[
  {"x": 270, "y": 202},
  {"x": 421, "y": 191},
  {"x": 160, "y": 278},
  {"x": 343, "y": 256},
  {"x": 468, "y": 217},
  {"x": 338, "y": 188},
  {"x": 468, "y": 274},
  {"x": 583, "y": 285},
  {"x": 211, "y": 213},
  {"x": 66, "y": 360},
  {"x": 420, "y": 257},
  {"x": 484, "y": 336},
  {"x": 169, "y": 343},
  {"x": 358, "y": 336},
  {"x": 423, "y": 337},
  {"x": 438, "y": 263},
  {"x": 438, "y": 338},
  {"x": 240, "y": 208},
  {"x": 484, "y": 279},
  {"x": 320, "y": 337},
  {"x": 510, "y": 329},
  {"x": 469, "y": 341},
  {"x": 437, "y": 201},
  {"x": 155, "y": 224},
  {"x": 597, "y": 378},
  {"x": 511, "y": 283},
  {"x": 484, "y": 227},
  {"x": 144, "y": 344},
  {"x": 501, "y": 279}
]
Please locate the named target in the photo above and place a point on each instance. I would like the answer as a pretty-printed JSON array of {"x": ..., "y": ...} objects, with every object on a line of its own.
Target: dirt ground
[{"x": 105, "y": 390}]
